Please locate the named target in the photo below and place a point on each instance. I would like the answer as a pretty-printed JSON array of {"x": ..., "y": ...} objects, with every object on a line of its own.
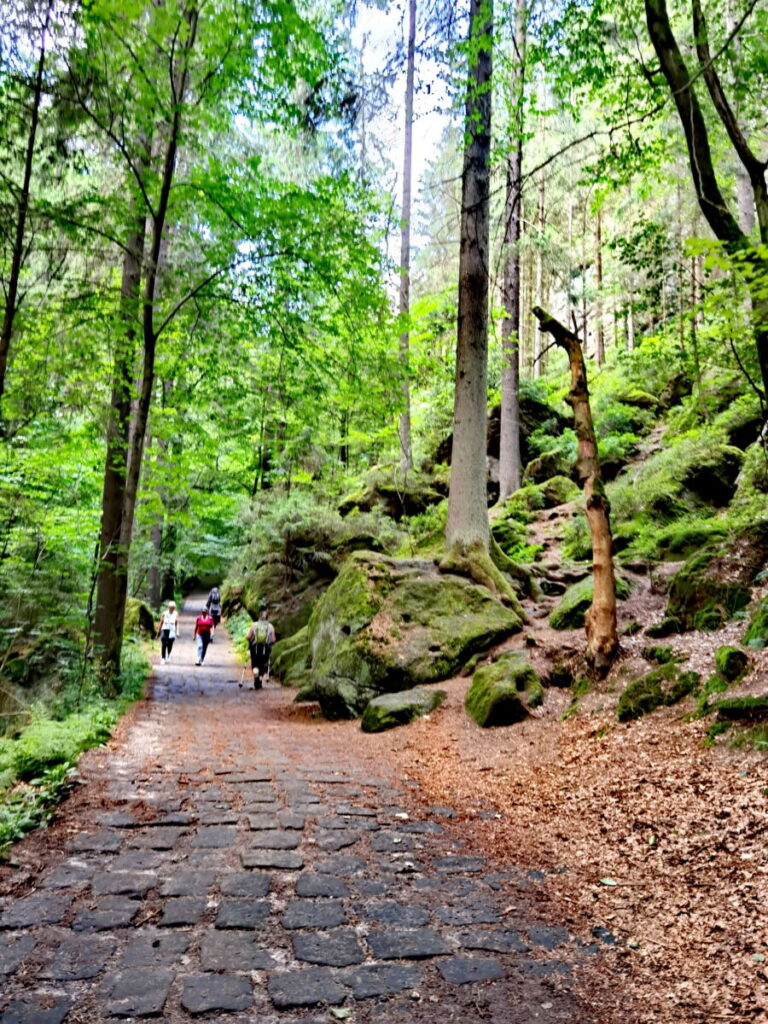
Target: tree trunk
[
  {"x": 538, "y": 348},
  {"x": 708, "y": 192},
  {"x": 17, "y": 252},
  {"x": 510, "y": 462},
  {"x": 406, "y": 454},
  {"x": 467, "y": 525},
  {"x": 602, "y": 635},
  {"x": 599, "y": 328}
]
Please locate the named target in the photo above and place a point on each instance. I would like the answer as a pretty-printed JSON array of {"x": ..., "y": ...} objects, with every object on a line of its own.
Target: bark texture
[
  {"x": 602, "y": 635},
  {"x": 406, "y": 455},
  {"x": 467, "y": 501}
]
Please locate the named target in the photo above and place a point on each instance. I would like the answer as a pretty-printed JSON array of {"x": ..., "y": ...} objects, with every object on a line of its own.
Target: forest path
[{"x": 230, "y": 856}]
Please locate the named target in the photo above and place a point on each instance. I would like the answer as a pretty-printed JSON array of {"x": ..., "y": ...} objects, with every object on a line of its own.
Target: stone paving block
[
  {"x": 469, "y": 913},
  {"x": 215, "y": 836},
  {"x": 259, "y": 822},
  {"x": 400, "y": 864},
  {"x": 123, "y": 883},
  {"x": 136, "y": 991},
  {"x": 249, "y": 777},
  {"x": 353, "y": 809},
  {"x": 548, "y": 936},
  {"x": 158, "y": 838},
  {"x": 459, "y": 864},
  {"x": 381, "y": 979},
  {"x": 336, "y": 948},
  {"x": 69, "y": 874},
  {"x": 242, "y": 913},
  {"x": 406, "y": 943},
  {"x": 181, "y": 911},
  {"x": 307, "y": 987},
  {"x": 219, "y": 817},
  {"x": 402, "y": 915},
  {"x": 79, "y": 957},
  {"x": 310, "y": 884},
  {"x": 154, "y": 948},
  {"x": 233, "y": 951},
  {"x": 342, "y": 864},
  {"x": 106, "y": 914},
  {"x": 106, "y": 841},
  {"x": 372, "y": 886},
  {"x": 546, "y": 968},
  {"x": 38, "y": 1008},
  {"x": 188, "y": 883},
  {"x": 246, "y": 883},
  {"x": 138, "y": 860},
  {"x": 287, "y": 860},
  {"x": 35, "y": 909},
  {"x": 314, "y": 914},
  {"x": 422, "y": 828},
  {"x": 173, "y": 818},
  {"x": 451, "y": 885},
  {"x": 337, "y": 840},
  {"x": 391, "y": 842},
  {"x": 261, "y": 807},
  {"x": 466, "y": 970},
  {"x": 274, "y": 839},
  {"x": 291, "y": 819},
  {"x": 505, "y": 941},
  {"x": 202, "y": 993},
  {"x": 441, "y": 812},
  {"x": 117, "y": 819},
  {"x": 13, "y": 950}
]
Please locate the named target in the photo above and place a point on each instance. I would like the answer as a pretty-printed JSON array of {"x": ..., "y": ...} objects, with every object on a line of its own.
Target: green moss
[
  {"x": 703, "y": 594},
  {"x": 730, "y": 708},
  {"x": 47, "y": 743},
  {"x": 558, "y": 490},
  {"x": 291, "y": 658},
  {"x": 573, "y": 606},
  {"x": 756, "y": 635},
  {"x": 393, "y": 709},
  {"x": 661, "y": 655},
  {"x": 664, "y": 686},
  {"x": 502, "y": 693},
  {"x": 731, "y": 662}
]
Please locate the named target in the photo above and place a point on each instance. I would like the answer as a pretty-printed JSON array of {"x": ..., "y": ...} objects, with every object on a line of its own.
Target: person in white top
[{"x": 168, "y": 631}]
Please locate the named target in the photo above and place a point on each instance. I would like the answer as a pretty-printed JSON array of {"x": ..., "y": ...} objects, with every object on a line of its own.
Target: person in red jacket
[{"x": 203, "y": 627}]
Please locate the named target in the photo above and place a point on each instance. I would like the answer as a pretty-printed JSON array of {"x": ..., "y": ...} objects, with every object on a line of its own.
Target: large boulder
[
  {"x": 664, "y": 686},
  {"x": 395, "y": 495},
  {"x": 570, "y": 611},
  {"x": 504, "y": 692},
  {"x": 138, "y": 618},
  {"x": 387, "y": 624},
  {"x": 546, "y": 466},
  {"x": 290, "y": 659},
  {"x": 715, "y": 582},
  {"x": 392, "y": 709}
]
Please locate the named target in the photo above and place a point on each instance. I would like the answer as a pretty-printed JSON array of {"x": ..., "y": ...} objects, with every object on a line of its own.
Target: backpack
[
  {"x": 214, "y": 599},
  {"x": 261, "y": 632}
]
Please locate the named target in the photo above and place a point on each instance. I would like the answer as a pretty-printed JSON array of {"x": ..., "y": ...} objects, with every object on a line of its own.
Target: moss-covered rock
[
  {"x": 712, "y": 478},
  {"x": 138, "y": 618},
  {"x": 392, "y": 709},
  {"x": 570, "y": 611},
  {"x": 546, "y": 466},
  {"x": 290, "y": 659},
  {"x": 741, "y": 708},
  {"x": 502, "y": 693},
  {"x": 388, "y": 624},
  {"x": 665, "y": 685},
  {"x": 558, "y": 490},
  {"x": 395, "y": 495},
  {"x": 712, "y": 585},
  {"x": 731, "y": 662},
  {"x": 661, "y": 655},
  {"x": 756, "y": 635}
]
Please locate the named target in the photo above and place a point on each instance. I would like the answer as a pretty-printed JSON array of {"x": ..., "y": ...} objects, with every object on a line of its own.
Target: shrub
[{"x": 47, "y": 743}]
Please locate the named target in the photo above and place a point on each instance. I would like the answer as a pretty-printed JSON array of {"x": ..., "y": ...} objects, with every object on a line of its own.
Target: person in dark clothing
[
  {"x": 213, "y": 604},
  {"x": 261, "y": 636}
]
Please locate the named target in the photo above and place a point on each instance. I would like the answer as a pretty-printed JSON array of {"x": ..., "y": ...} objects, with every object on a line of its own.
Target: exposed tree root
[
  {"x": 475, "y": 562},
  {"x": 520, "y": 575}
]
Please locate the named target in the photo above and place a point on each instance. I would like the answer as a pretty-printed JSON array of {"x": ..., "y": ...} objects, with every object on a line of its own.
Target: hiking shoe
[{"x": 198, "y": 662}]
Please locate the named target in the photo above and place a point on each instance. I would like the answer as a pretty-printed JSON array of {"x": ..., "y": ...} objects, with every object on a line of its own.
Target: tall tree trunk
[
  {"x": 708, "y": 192},
  {"x": 602, "y": 635},
  {"x": 538, "y": 348},
  {"x": 510, "y": 461},
  {"x": 17, "y": 252},
  {"x": 467, "y": 525},
  {"x": 113, "y": 575},
  {"x": 406, "y": 454},
  {"x": 599, "y": 327}
]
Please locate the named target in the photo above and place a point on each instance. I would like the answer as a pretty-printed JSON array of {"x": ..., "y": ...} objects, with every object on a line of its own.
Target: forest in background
[{"x": 224, "y": 359}]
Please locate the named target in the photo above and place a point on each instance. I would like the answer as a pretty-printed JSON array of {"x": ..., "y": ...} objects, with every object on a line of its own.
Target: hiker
[
  {"x": 261, "y": 636},
  {"x": 168, "y": 631},
  {"x": 213, "y": 604},
  {"x": 203, "y": 627}
]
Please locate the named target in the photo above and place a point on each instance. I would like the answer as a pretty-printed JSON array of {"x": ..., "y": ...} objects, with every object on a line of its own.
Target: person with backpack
[
  {"x": 213, "y": 604},
  {"x": 203, "y": 627},
  {"x": 168, "y": 631},
  {"x": 261, "y": 636}
]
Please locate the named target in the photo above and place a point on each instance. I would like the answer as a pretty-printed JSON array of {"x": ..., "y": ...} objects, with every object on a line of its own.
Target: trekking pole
[{"x": 242, "y": 677}]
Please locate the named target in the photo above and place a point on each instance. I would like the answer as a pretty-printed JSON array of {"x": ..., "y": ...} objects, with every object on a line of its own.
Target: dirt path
[{"x": 229, "y": 857}]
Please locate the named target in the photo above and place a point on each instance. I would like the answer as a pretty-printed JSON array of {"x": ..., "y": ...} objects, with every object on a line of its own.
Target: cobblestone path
[{"x": 222, "y": 868}]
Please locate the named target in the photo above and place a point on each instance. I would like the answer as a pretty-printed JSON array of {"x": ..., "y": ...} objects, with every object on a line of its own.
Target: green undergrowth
[
  {"x": 238, "y": 625},
  {"x": 37, "y": 764}
]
